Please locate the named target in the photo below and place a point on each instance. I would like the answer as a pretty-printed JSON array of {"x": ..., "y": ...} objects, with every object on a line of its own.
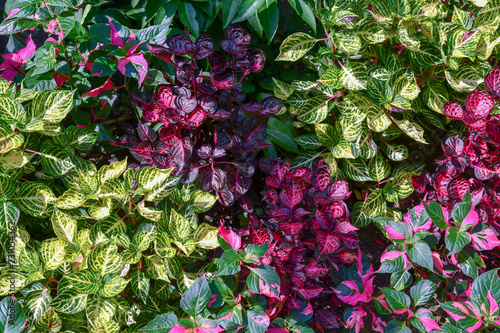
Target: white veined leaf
[
  {"x": 64, "y": 225},
  {"x": 374, "y": 204},
  {"x": 52, "y": 252},
  {"x": 296, "y": 46},
  {"x": 33, "y": 198},
  {"x": 99, "y": 311},
  {"x": 112, "y": 285},
  {"x": 206, "y": 237},
  {"x": 11, "y": 111},
  {"x": 69, "y": 301},
  {"x": 52, "y": 106}
]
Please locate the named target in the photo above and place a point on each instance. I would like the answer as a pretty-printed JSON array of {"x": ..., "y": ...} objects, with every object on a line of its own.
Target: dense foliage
[{"x": 162, "y": 170}]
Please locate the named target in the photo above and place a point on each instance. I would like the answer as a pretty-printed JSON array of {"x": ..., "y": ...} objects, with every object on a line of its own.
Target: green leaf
[
  {"x": 379, "y": 91},
  {"x": 370, "y": 31},
  {"x": 463, "y": 43},
  {"x": 304, "y": 10},
  {"x": 229, "y": 10},
  {"x": 269, "y": 19},
  {"x": 69, "y": 301},
  {"x": 342, "y": 149},
  {"x": 14, "y": 159},
  {"x": 162, "y": 323},
  {"x": 8, "y": 139},
  {"x": 264, "y": 280},
  {"x": 462, "y": 17},
  {"x": 422, "y": 291},
  {"x": 64, "y": 225},
  {"x": 99, "y": 311},
  {"x": 282, "y": 140},
  {"x": 347, "y": 42},
  {"x": 488, "y": 282},
  {"x": 55, "y": 161},
  {"x": 258, "y": 321},
  {"x": 140, "y": 284},
  {"x": 304, "y": 160},
  {"x": 427, "y": 55},
  {"x": 396, "y": 300},
  {"x": 435, "y": 96},
  {"x": 52, "y": 252},
  {"x": 421, "y": 254},
  {"x": 11, "y": 111},
  {"x": 104, "y": 259},
  {"x": 33, "y": 198},
  {"x": 229, "y": 263},
  {"x": 295, "y": 46},
  {"x": 331, "y": 78},
  {"x": 314, "y": 111},
  {"x": 354, "y": 76},
  {"x": 84, "y": 282},
  {"x": 112, "y": 285},
  {"x": 395, "y": 326},
  {"x": 396, "y": 152},
  {"x": 206, "y": 237},
  {"x": 246, "y": 9},
  {"x": 357, "y": 170},
  {"x": 281, "y": 89},
  {"x": 401, "y": 279},
  {"x": 456, "y": 240},
  {"x": 52, "y": 106},
  {"x": 196, "y": 298},
  {"x": 378, "y": 169},
  {"x": 308, "y": 142},
  {"x": 413, "y": 130},
  {"x": 326, "y": 134},
  {"x": 81, "y": 138},
  {"x": 48, "y": 322},
  {"x": 374, "y": 204},
  {"x": 436, "y": 214},
  {"x": 12, "y": 317}
]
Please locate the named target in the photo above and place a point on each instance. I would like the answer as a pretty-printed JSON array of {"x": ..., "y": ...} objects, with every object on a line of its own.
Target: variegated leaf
[
  {"x": 48, "y": 322},
  {"x": 356, "y": 170},
  {"x": 295, "y": 46},
  {"x": 33, "y": 198},
  {"x": 104, "y": 259},
  {"x": 11, "y": 111},
  {"x": 342, "y": 149},
  {"x": 201, "y": 201},
  {"x": 99, "y": 311},
  {"x": 413, "y": 130},
  {"x": 52, "y": 252},
  {"x": 8, "y": 139},
  {"x": 378, "y": 169},
  {"x": 435, "y": 96},
  {"x": 140, "y": 284},
  {"x": 52, "y": 106},
  {"x": 308, "y": 142},
  {"x": 69, "y": 301},
  {"x": 314, "y": 111},
  {"x": 281, "y": 89},
  {"x": 331, "y": 78},
  {"x": 112, "y": 170},
  {"x": 64, "y": 225},
  {"x": 14, "y": 159},
  {"x": 206, "y": 237},
  {"x": 377, "y": 119},
  {"x": 354, "y": 76},
  {"x": 84, "y": 282},
  {"x": 374, "y": 204},
  {"x": 112, "y": 285}
]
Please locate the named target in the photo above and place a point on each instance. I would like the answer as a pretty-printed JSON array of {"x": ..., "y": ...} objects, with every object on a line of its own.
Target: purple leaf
[
  {"x": 179, "y": 44},
  {"x": 161, "y": 52},
  {"x": 492, "y": 82},
  {"x": 213, "y": 179},
  {"x": 146, "y": 133},
  {"x": 203, "y": 47}
]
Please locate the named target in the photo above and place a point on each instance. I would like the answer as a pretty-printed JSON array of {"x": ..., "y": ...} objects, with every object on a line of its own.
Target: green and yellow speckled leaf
[
  {"x": 104, "y": 259},
  {"x": 314, "y": 111},
  {"x": 201, "y": 201},
  {"x": 69, "y": 301},
  {"x": 295, "y": 46},
  {"x": 14, "y": 159},
  {"x": 140, "y": 284},
  {"x": 163, "y": 247},
  {"x": 36, "y": 303},
  {"x": 112, "y": 170},
  {"x": 29, "y": 261},
  {"x": 99, "y": 311},
  {"x": 33, "y": 198},
  {"x": 64, "y": 225},
  {"x": 356, "y": 170},
  {"x": 374, "y": 204},
  {"x": 354, "y": 76},
  {"x": 178, "y": 227},
  {"x": 281, "y": 89},
  {"x": 378, "y": 169},
  {"x": 48, "y": 322},
  {"x": 331, "y": 78},
  {"x": 85, "y": 281},
  {"x": 112, "y": 285},
  {"x": 52, "y": 106},
  {"x": 52, "y": 252},
  {"x": 8, "y": 139},
  {"x": 206, "y": 237},
  {"x": 149, "y": 177},
  {"x": 11, "y": 111}
]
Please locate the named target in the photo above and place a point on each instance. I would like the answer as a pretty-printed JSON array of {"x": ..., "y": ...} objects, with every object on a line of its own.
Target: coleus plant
[
  {"x": 443, "y": 249},
  {"x": 205, "y": 132},
  {"x": 307, "y": 222},
  {"x": 472, "y": 163},
  {"x": 383, "y": 70}
]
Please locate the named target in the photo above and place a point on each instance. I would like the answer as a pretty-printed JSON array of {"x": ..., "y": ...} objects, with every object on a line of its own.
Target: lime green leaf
[
  {"x": 52, "y": 252},
  {"x": 64, "y": 225},
  {"x": 33, "y": 198}
]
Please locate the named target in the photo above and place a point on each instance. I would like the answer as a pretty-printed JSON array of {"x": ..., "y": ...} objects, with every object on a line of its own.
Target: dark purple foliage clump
[
  {"x": 472, "y": 163},
  {"x": 206, "y": 133},
  {"x": 307, "y": 222}
]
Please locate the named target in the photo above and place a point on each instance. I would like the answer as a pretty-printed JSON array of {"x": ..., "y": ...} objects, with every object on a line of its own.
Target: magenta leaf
[
  {"x": 492, "y": 82},
  {"x": 230, "y": 237},
  {"x": 465, "y": 314}
]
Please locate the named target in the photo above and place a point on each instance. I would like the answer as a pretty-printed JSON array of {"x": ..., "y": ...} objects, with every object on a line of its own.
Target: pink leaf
[
  {"x": 97, "y": 91},
  {"x": 277, "y": 330},
  {"x": 472, "y": 218},
  {"x": 139, "y": 62},
  {"x": 378, "y": 325},
  {"x": 355, "y": 320},
  {"x": 485, "y": 240},
  {"x": 59, "y": 78},
  {"x": 230, "y": 237},
  {"x": 177, "y": 329},
  {"x": 425, "y": 316},
  {"x": 490, "y": 308},
  {"x": 393, "y": 234},
  {"x": 116, "y": 39},
  {"x": 12, "y": 13}
]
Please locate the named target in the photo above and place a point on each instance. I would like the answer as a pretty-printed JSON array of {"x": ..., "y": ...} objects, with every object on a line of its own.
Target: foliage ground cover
[{"x": 215, "y": 166}]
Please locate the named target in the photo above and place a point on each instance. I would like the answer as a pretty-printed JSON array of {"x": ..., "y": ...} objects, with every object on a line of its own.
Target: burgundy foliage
[
  {"x": 206, "y": 133},
  {"x": 472, "y": 164},
  {"x": 307, "y": 223}
]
